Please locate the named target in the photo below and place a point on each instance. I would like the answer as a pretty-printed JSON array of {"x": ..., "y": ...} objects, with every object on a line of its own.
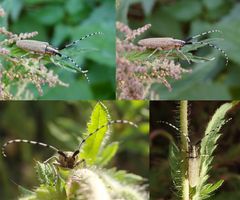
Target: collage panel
[
  {"x": 74, "y": 150},
  {"x": 176, "y": 50},
  {"x": 133, "y": 99},
  {"x": 57, "y": 50},
  {"x": 194, "y": 150}
]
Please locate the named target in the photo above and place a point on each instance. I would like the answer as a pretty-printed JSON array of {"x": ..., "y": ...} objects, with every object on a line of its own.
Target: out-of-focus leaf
[
  {"x": 16, "y": 9},
  {"x": 148, "y": 6},
  {"x": 107, "y": 154},
  {"x": 229, "y": 25},
  {"x": 48, "y": 15},
  {"x": 78, "y": 90},
  {"x": 168, "y": 26},
  {"x": 74, "y": 6},
  {"x": 213, "y": 4},
  {"x": 184, "y": 10}
]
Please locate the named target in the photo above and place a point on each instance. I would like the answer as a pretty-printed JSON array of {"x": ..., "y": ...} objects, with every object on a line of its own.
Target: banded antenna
[
  {"x": 79, "y": 68},
  {"x": 82, "y": 38},
  {"x": 59, "y": 151},
  {"x": 84, "y": 72},
  {"x": 189, "y": 41},
  {"x": 169, "y": 124},
  {"x": 202, "y": 34}
]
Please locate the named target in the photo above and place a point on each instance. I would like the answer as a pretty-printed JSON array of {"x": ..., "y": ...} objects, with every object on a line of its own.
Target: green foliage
[
  {"x": 208, "y": 145},
  {"x": 45, "y": 173},
  {"x": 175, "y": 165},
  {"x": 91, "y": 181},
  {"x": 62, "y": 124},
  {"x": 92, "y": 146}
]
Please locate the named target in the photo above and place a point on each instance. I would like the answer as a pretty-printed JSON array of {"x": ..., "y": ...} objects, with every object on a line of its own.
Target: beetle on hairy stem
[
  {"x": 44, "y": 48},
  {"x": 170, "y": 44},
  {"x": 65, "y": 159},
  {"x": 194, "y": 153}
]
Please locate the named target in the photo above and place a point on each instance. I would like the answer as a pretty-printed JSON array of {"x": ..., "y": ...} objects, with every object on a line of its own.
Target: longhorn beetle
[
  {"x": 194, "y": 156},
  {"x": 167, "y": 43},
  {"x": 68, "y": 159},
  {"x": 40, "y": 47}
]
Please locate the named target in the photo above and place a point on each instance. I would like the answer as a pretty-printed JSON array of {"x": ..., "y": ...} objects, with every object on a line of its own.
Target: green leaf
[
  {"x": 107, "y": 154},
  {"x": 45, "y": 173},
  {"x": 209, "y": 188},
  {"x": 48, "y": 15},
  {"x": 148, "y": 6},
  {"x": 185, "y": 10},
  {"x": 125, "y": 177},
  {"x": 24, "y": 192},
  {"x": 93, "y": 144},
  {"x": 208, "y": 145},
  {"x": 175, "y": 165}
]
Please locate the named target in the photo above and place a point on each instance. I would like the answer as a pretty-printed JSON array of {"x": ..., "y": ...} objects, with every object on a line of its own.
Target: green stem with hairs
[{"x": 184, "y": 148}]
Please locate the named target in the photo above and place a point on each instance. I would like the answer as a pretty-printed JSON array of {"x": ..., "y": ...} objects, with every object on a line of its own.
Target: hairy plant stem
[{"x": 184, "y": 148}]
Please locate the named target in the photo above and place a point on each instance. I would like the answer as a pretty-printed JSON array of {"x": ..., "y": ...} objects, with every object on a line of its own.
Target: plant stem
[{"x": 184, "y": 148}]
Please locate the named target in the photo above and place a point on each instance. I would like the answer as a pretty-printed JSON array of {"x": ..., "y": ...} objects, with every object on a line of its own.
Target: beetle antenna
[
  {"x": 107, "y": 124},
  {"x": 202, "y": 34},
  {"x": 83, "y": 38},
  {"x": 78, "y": 67},
  {"x": 169, "y": 124},
  {"x": 215, "y": 47},
  {"x": 29, "y": 142}
]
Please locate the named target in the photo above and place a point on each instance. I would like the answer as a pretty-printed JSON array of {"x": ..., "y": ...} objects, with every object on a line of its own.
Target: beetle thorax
[
  {"x": 68, "y": 161},
  {"x": 193, "y": 151},
  {"x": 52, "y": 51}
]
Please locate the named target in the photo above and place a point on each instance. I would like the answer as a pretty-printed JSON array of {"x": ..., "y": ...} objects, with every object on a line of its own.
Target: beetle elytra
[{"x": 40, "y": 47}]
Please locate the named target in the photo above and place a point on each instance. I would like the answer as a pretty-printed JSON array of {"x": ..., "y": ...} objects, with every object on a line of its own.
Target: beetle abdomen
[
  {"x": 165, "y": 43},
  {"x": 32, "y": 45}
]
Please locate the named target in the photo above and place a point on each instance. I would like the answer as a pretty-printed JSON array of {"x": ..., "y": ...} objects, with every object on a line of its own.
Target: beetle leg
[
  {"x": 83, "y": 161},
  {"x": 56, "y": 164},
  {"x": 26, "y": 54},
  {"x": 168, "y": 53},
  {"x": 153, "y": 52},
  {"x": 183, "y": 55},
  {"x": 52, "y": 157}
]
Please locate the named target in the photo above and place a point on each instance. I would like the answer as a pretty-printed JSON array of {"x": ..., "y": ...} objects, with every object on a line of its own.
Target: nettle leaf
[
  {"x": 93, "y": 144},
  {"x": 25, "y": 193},
  {"x": 208, "y": 145},
  {"x": 210, "y": 188},
  {"x": 107, "y": 154},
  {"x": 45, "y": 173},
  {"x": 175, "y": 165},
  {"x": 45, "y": 192}
]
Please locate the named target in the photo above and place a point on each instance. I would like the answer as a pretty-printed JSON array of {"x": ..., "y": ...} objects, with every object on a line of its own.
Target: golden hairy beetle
[
  {"x": 168, "y": 43},
  {"x": 40, "y": 47},
  {"x": 65, "y": 159},
  {"x": 165, "y": 43}
]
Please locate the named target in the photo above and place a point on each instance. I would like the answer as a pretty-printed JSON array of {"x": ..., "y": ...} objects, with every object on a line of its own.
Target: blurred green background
[
  {"x": 60, "y": 123},
  {"x": 60, "y": 22},
  {"x": 226, "y": 162},
  {"x": 182, "y": 18}
]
